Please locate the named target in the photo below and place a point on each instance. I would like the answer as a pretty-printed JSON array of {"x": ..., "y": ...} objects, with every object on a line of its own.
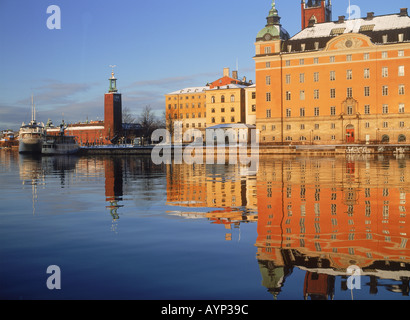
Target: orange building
[{"x": 333, "y": 82}]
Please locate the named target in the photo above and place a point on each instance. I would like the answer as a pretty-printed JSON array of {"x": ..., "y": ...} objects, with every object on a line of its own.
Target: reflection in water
[{"x": 314, "y": 215}]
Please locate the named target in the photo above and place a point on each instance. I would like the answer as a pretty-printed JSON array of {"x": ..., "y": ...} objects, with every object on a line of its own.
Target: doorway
[{"x": 350, "y": 134}]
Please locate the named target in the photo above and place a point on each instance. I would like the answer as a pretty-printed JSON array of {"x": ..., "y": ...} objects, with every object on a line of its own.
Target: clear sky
[{"x": 158, "y": 47}]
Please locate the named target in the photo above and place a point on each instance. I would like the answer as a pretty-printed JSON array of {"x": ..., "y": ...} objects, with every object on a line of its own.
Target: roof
[
  {"x": 190, "y": 90},
  {"x": 232, "y": 126},
  {"x": 230, "y": 86},
  {"x": 363, "y": 25}
]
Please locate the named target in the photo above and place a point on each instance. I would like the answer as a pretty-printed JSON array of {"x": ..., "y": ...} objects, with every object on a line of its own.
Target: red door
[{"x": 350, "y": 138}]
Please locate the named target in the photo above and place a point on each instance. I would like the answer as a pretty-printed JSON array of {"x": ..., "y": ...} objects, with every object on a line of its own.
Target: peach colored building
[{"x": 334, "y": 82}]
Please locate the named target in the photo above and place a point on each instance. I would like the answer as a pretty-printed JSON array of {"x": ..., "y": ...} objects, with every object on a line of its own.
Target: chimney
[
  {"x": 403, "y": 12},
  {"x": 341, "y": 19},
  {"x": 370, "y": 15},
  {"x": 235, "y": 75},
  {"x": 226, "y": 72}
]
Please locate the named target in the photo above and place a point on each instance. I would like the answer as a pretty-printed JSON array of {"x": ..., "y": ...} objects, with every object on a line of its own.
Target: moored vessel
[{"x": 31, "y": 135}]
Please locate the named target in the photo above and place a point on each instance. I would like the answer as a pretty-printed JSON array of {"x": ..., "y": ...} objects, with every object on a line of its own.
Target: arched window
[
  {"x": 385, "y": 139},
  {"x": 402, "y": 138},
  {"x": 302, "y": 138},
  {"x": 222, "y": 99},
  {"x": 212, "y": 99},
  {"x": 232, "y": 98}
]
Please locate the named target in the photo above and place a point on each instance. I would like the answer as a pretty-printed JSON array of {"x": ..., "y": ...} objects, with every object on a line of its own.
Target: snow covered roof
[
  {"x": 190, "y": 90},
  {"x": 373, "y": 24},
  {"x": 230, "y": 86}
]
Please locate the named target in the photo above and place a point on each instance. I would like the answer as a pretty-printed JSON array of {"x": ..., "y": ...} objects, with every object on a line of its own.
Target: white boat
[
  {"x": 31, "y": 135},
  {"x": 60, "y": 144}
]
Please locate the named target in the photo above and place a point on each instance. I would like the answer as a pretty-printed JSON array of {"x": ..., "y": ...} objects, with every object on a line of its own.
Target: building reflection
[
  {"x": 224, "y": 196},
  {"x": 324, "y": 215}
]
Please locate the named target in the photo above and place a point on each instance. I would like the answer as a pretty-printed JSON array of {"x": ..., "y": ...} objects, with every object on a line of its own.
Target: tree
[{"x": 149, "y": 123}]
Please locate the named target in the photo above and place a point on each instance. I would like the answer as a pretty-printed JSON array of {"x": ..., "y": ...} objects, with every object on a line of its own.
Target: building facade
[{"x": 335, "y": 82}]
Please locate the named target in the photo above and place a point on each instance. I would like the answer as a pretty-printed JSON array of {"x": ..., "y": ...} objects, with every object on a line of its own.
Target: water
[{"x": 123, "y": 228}]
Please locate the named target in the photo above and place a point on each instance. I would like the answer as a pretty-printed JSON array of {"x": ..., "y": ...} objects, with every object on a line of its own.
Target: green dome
[{"x": 271, "y": 30}]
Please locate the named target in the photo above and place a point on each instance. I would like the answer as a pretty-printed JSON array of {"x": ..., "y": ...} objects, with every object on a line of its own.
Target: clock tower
[{"x": 113, "y": 110}]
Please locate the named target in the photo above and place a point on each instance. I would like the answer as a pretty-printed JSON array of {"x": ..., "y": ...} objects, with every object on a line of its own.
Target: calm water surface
[{"x": 123, "y": 228}]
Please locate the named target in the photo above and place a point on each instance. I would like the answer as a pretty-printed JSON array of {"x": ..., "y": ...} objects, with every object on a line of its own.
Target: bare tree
[
  {"x": 149, "y": 122},
  {"x": 128, "y": 116}
]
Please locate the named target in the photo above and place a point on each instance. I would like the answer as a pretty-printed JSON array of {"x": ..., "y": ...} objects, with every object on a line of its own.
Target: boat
[
  {"x": 31, "y": 135},
  {"x": 60, "y": 144}
]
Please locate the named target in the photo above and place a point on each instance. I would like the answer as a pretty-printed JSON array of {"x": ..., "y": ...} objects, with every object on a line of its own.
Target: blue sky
[{"x": 158, "y": 47}]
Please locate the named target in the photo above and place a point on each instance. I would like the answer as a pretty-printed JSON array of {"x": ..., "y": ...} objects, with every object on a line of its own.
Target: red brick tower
[
  {"x": 113, "y": 110},
  {"x": 316, "y": 10}
]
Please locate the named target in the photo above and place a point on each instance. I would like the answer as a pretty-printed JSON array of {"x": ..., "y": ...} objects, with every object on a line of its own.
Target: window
[
  {"x": 268, "y": 96},
  {"x": 349, "y": 74},
  {"x": 301, "y": 62},
  {"x": 232, "y": 98},
  {"x": 213, "y": 100},
  {"x": 288, "y": 113},
  {"x": 401, "y": 71},
  {"x": 385, "y": 124},
  {"x": 316, "y": 94},
  {"x": 401, "y": 124},
  {"x": 402, "y": 138},
  {"x": 287, "y": 63},
  {"x": 302, "y": 94},
  {"x": 316, "y": 60},
  {"x": 385, "y": 55},
  {"x": 350, "y": 92},
  {"x": 288, "y": 79},
  {"x": 332, "y": 93},
  {"x": 302, "y": 112},
  {"x": 268, "y": 113},
  {"x": 213, "y": 120},
  {"x": 367, "y": 125},
  {"x": 302, "y": 127},
  {"x": 316, "y": 138},
  {"x": 349, "y": 110},
  {"x": 232, "y": 119},
  {"x": 385, "y": 90},
  {"x": 332, "y": 59},
  {"x": 401, "y": 53},
  {"x": 366, "y": 56},
  {"x": 401, "y": 89},
  {"x": 349, "y": 57},
  {"x": 288, "y": 127},
  {"x": 254, "y": 108},
  {"x": 223, "y": 110},
  {"x": 222, "y": 99},
  {"x": 253, "y": 95},
  {"x": 332, "y": 75},
  {"x": 302, "y": 78},
  {"x": 302, "y": 138},
  {"x": 268, "y": 80},
  {"x": 317, "y": 113},
  {"x": 366, "y": 109},
  {"x": 288, "y": 95},
  {"x": 333, "y": 126},
  {"x": 367, "y": 91},
  {"x": 385, "y": 72},
  {"x": 316, "y": 77},
  {"x": 385, "y": 109},
  {"x": 267, "y": 64},
  {"x": 223, "y": 119},
  {"x": 401, "y": 108},
  {"x": 268, "y": 50},
  {"x": 213, "y": 110},
  {"x": 366, "y": 73}
]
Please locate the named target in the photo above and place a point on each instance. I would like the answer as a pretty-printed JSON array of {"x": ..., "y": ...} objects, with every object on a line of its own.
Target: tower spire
[
  {"x": 273, "y": 12},
  {"x": 113, "y": 81}
]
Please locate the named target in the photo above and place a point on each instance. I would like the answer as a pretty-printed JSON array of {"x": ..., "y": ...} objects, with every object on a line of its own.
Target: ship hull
[{"x": 30, "y": 146}]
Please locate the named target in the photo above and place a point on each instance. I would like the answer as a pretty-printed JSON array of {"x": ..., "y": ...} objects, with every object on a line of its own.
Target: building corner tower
[
  {"x": 317, "y": 10},
  {"x": 113, "y": 110}
]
